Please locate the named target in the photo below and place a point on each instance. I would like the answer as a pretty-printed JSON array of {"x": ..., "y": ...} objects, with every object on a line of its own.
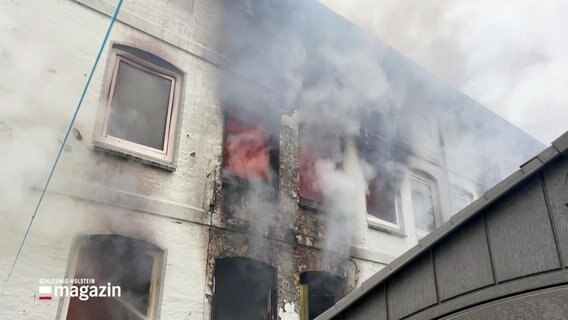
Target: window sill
[
  {"x": 383, "y": 227},
  {"x": 130, "y": 154}
]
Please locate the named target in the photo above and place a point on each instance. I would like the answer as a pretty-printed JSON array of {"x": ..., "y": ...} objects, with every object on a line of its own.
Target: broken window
[
  {"x": 250, "y": 159},
  {"x": 132, "y": 264},
  {"x": 425, "y": 204},
  {"x": 382, "y": 188},
  {"x": 141, "y": 106},
  {"x": 244, "y": 289},
  {"x": 318, "y": 150},
  {"x": 246, "y": 149},
  {"x": 319, "y": 291}
]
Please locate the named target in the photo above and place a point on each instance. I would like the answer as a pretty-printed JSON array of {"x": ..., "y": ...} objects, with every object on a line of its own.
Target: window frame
[
  {"x": 374, "y": 222},
  {"x": 154, "y": 291},
  {"x": 163, "y": 158},
  {"x": 243, "y": 185},
  {"x": 383, "y": 225},
  {"x": 460, "y": 193},
  {"x": 435, "y": 194},
  {"x": 305, "y": 203}
]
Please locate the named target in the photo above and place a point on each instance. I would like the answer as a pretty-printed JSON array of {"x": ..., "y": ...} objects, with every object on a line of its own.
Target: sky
[{"x": 509, "y": 55}]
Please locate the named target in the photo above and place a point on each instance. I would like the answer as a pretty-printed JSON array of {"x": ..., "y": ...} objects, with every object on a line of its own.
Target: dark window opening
[
  {"x": 245, "y": 289},
  {"x": 382, "y": 188},
  {"x": 250, "y": 159},
  {"x": 131, "y": 264},
  {"x": 308, "y": 177},
  {"x": 381, "y": 200},
  {"x": 320, "y": 291},
  {"x": 317, "y": 150}
]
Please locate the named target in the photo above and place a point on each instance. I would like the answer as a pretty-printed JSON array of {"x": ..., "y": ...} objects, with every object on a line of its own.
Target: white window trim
[
  {"x": 463, "y": 195},
  {"x": 153, "y": 291},
  {"x": 460, "y": 193},
  {"x": 435, "y": 203},
  {"x": 386, "y": 226},
  {"x": 164, "y": 157}
]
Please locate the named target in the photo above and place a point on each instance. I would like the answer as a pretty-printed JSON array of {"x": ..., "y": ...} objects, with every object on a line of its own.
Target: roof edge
[{"x": 561, "y": 144}]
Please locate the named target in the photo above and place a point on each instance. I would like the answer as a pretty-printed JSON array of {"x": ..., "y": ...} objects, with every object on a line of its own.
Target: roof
[{"x": 558, "y": 148}]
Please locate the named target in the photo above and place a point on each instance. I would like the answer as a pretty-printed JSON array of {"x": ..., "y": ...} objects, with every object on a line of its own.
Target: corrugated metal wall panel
[
  {"x": 556, "y": 183},
  {"x": 520, "y": 233},
  {"x": 372, "y": 306},
  {"x": 413, "y": 288},
  {"x": 462, "y": 261}
]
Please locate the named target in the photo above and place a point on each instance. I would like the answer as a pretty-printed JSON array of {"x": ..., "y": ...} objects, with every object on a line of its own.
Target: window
[
  {"x": 318, "y": 150},
  {"x": 244, "y": 289},
  {"x": 134, "y": 265},
  {"x": 382, "y": 189},
  {"x": 459, "y": 200},
  {"x": 424, "y": 205},
  {"x": 141, "y": 107},
  {"x": 250, "y": 160},
  {"x": 381, "y": 199},
  {"x": 246, "y": 149},
  {"x": 319, "y": 291}
]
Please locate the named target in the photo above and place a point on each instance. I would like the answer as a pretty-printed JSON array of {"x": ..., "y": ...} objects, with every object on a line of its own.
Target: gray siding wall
[
  {"x": 515, "y": 246},
  {"x": 463, "y": 262}
]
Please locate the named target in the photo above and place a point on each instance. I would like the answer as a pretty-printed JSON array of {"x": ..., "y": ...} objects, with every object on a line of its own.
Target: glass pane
[
  {"x": 422, "y": 205},
  {"x": 380, "y": 201},
  {"x": 459, "y": 202},
  {"x": 139, "y": 107}
]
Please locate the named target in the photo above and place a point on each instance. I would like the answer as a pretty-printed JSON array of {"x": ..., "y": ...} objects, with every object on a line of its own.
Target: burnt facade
[{"x": 227, "y": 149}]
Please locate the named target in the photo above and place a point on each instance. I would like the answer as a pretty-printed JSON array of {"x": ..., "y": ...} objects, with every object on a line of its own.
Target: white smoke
[{"x": 509, "y": 55}]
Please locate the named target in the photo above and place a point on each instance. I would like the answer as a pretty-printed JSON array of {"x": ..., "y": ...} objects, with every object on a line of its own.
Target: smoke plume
[{"x": 509, "y": 55}]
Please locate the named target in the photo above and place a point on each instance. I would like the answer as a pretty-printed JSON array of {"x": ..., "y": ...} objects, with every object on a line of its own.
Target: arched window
[
  {"x": 425, "y": 203},
  {"x": 459, "y": 199},
  {"x": 110, "y": 261},
  {"x": 244, "y": 289},
  {"x": 319, "y": 291},
  {"x": 141, "y": 106}
]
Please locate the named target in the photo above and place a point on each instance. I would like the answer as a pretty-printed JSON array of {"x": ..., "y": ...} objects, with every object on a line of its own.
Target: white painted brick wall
[{"x": 47, "y": 49}]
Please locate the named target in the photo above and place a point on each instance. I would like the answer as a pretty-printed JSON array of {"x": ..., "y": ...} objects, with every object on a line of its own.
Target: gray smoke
[
  {"x": 329, "y": 73},
  {"x": 339, "y": 81},
  {"x": 509, "y": 55}
]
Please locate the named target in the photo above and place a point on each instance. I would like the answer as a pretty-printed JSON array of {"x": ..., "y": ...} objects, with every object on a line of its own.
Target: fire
[
  {"x": 246, "y": 151},
  {"x": 312, "y": 167}
]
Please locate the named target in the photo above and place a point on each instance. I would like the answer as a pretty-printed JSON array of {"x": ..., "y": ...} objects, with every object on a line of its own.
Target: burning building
[{"x": 245, "y": 159}]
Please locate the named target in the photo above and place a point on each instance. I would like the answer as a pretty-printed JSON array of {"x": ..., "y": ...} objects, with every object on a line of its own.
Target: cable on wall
[{"x": 60, "y": 151}]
